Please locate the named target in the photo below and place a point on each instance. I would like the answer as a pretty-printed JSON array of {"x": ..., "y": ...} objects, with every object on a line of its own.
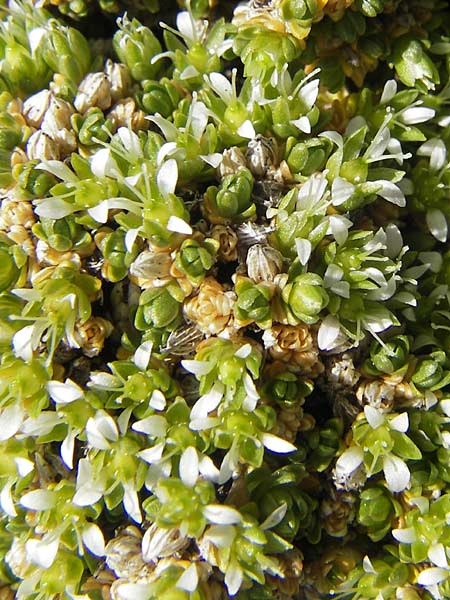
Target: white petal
[
  {"x": 246, "y": 130},
  {"x": 131, "y": 503},
  {"x": 303, "y": 248},
  {"x": 21, "y": 343},
  {"x": 6, "y": 499},
  {"x": 244, "y": 351},
  {"x": 400, "y": 423},
  {"x": 221, "y": 86},
  {"x": 11, "y": 419},
  {"x": 349, "y": 460},
  {"x": 309, "y": 92},
  {"x": 103, "y": 164},
  {"x": 104, "y": 380},
  {"x": 437, "y": 555},
  {"x": 189, "y": 580},
  {"x": 157, "y": 400},
  {"x": 432, "y": 576},
  {"x": 367, "y": 565},
  {"x": 220, "y": 514},
  {"x": 155, "y": 425},
  {"x": 179, "y": 226},
  {"x": 67, "y": 448},
  {"x": 389, "y": 91},
  {"x": 341, "y": 190},
  {"x": 189, "y": 466},
  {"x": 221, "y": 536},
  {"x": 130, "y": 141},
  {"x": 277, "y": 444},
  {"x": 302, "y": 124},
  {"x": 42, "y": 552},
  {"x": 130, "y": 238},
  {"x": 100, "y": 212},
  {"x": 374, "y": 417},
  {"x": 228, "y": 466},
  {"x": 396, "y": 473},
  {"x": 213, "y": 160},
  {"x": 101, "y": 429},
  {"x": 328, "y": 333},
  {"x": 338, "y": 227},
  {"x": 39, "y": 500},
  {"x": 23, "y": 466},
  {"x": 275, "y": 517},
  {"x": 169, "y": 130},
  {"x": 186, "y": 25},
  {"x": 64, "y": 393},
  {"x": 197, "y": 367},
  {"x": 133, "y": 591},
  {"x": 391, "y": 192},
  {"x": 405, "y": 536},
  {"x": 208, "y": 469},
  {"x": 142, "y": 355},
  {"x": 417, "y": 114},
  {"x": 151, "y": 455},
  {"x": 35, "y": 36},
  {"x": 437, "y": 224},
  {"x": 233, "y": 578},
  {"x": 59, "y": 169},
  {"x": 167, "y": 177},
  {"x": 93, "y": 539},
  {"x": 204, "y": 423}
]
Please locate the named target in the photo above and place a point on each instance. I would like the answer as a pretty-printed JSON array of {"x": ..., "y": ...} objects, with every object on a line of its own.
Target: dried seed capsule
[
  {"x": 263, "y": 262},
  {"x": 41, "y": 146},
  {"x": 94, "y": 90}
]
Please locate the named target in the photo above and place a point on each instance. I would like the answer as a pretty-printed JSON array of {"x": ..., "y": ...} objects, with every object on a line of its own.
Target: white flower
[
  {"x": 101, "y": 429},
  {"x": 277, "y": 444},
  {"x": 39, "y": 500},
  {"x": 131, "y": 502},
  {"x": 11, "y": 419},
  {"x": 349, "y": 461},
  {"x": 142, "y": 355},
  {"x": 396, "y": 473},
  {"x": 416, "y": 114},
  {"x": 328, "y": 333},
  {"x": 432, "y": 576},
  {"x": 188, "y": 580},
  {"x": 88, "y": 490},
  {"x": 189, "y": 466},
  {"x": 155, "y": 426}
]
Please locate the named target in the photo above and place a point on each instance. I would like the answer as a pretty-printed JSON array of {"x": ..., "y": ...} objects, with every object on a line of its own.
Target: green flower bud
[
  {"x": 305, "y": 298},
  {"x": 91, "y": 126},
  {"x": 429, "y": 373},
  {"x": 136, "y": 45},
  {"x": 64, "y": 235},
  {"x": 233, "y": 200},
  {"x": 377, "y": 510},
  {"x": 389, "y": 358},
  {"x": 157, "y": 308},
  {"x": 324, "y": 443},
  {"x": 117, "y": 258},
  {"x": 160, "y": 97},
  {"x": 253, "y": 302},
  {"x": 195, "y": 258},
  {"x": 34, "y": 181},
  {"x": 285, "y": 387}
]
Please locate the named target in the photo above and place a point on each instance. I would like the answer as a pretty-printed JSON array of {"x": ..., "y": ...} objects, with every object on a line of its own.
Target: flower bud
[
  {"x": 157, "y": 308},
  {"x": 40, "y": 146},
  {"x": 263, "y": 262},
  {"x": 136, "y": 45},
  {"x": 35, "y": 107},
  {"x": 305, "y": 297},
  {"x": 119, "y": 79},
  {"x": 93, "y": 91}
]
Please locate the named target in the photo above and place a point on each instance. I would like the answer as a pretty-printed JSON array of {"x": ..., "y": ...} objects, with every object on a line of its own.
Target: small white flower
[
  {"x": 400, "y": 423},
  {"x": 11, "y": 419},
  {"x": 142, "y": 355},
  {"x": 416, "y": 114},
  {"x": 167, "y": 177},
  {"x": 341, "y": 190},
  {"x": 103, "y": 164},
  {"x": 101, "y": 429},
  {"x": 152, "y": 455},
  {"x": 389, "y": 91},
  {"x": 6, "y": 499},
  {"x": 246, "y": 130},
  {"x": 22, "y": 343},
  {"x": 304, "y": 248},
  {"x": 374, "y": 417},
  {"x": 349, "y": 461},
  {"x": 155, "y": 425},
  {"x": 157, "y": 400},
  {"x": 328, "y": 333},
  {"x": 432, "y": 576},
  {"x": 39, "y": 500},
  {"x": 23, "y": 466},
  {"x": 197, "y": 367},
  {"x": 233, "y": 578}
]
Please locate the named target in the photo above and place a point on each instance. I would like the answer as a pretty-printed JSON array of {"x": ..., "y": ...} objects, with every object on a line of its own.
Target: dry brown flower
[
  {"x": 125, "y": 114},
  {"x": 93, "y": 90},
  {"x": 212, "y": 308},
  {"x": 119, "y": 78},
  {"x": 263, "y": 262},
  {"x": 40, "y": 146},
  {"x": 35, "y": 106},
  {"x": 233, "y": 160},
  {"x": 56, "y": 124},
  {"x": 228, "y": 239},
  {"x": 376, "y": 393},
  {"x": 151, "y": 269},
  {"x": 295, "y": 345},
  {"x": 91, "y": 335},
  {"x": 291, "y": 566},
  {"x": 291, "y": 420},
  {"x": 7, "y": 593},
  {"x": 337, "y": 513},
  {"x": 123, "y": 554},
  {"x": 16, "y": 213}
]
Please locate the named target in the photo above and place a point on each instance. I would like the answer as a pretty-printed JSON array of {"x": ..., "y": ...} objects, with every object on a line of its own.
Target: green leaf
[{"x": 405, "y": 447}]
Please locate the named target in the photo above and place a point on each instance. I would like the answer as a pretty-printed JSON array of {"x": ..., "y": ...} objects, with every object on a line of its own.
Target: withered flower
[{"x": 212, "y": 308}]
